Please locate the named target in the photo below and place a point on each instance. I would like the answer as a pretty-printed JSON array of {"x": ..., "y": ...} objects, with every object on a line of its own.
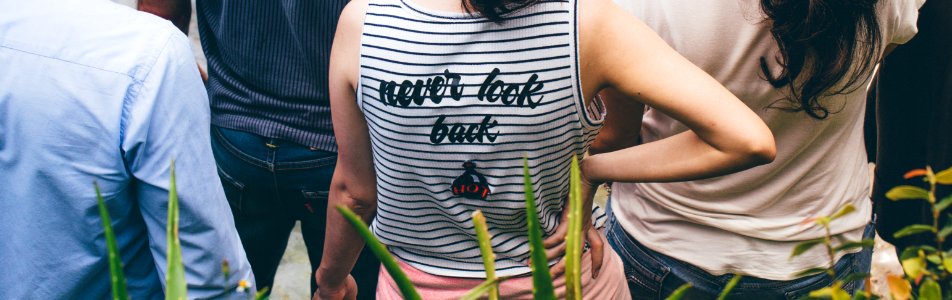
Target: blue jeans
[
  {"x": 271, "y": 184},
  {"x": 652, "y": 275}
]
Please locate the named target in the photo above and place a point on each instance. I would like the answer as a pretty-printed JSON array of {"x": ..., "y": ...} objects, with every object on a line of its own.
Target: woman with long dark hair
[
  {"x": 436, "y": 103},
  {"x": 804, "y": 67}
]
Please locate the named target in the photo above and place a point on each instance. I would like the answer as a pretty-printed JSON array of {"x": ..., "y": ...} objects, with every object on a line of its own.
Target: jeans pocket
[
  {"x": 234, "y": 191},
  {"x": 315, "y": 202},
  {"x": 643, "y": 271}
]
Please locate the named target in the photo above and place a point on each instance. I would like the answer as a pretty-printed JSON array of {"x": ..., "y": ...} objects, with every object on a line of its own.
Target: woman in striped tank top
[{"x": 436, "y": 103}]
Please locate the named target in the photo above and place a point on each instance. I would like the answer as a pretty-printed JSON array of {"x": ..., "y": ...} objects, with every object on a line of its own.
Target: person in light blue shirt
[{"x": 92, "y": 91}]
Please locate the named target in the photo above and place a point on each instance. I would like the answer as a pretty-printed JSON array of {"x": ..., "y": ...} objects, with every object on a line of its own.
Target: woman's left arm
[{"x": 725, "y": 136}]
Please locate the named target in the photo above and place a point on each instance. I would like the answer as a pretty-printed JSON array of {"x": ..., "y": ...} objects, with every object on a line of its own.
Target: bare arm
[
  {"x": 621, "y": 128},
  {"x": 725, "y": 136},
  {"x": 177, "y": 11},
  {"x": 354, "y": 179}
]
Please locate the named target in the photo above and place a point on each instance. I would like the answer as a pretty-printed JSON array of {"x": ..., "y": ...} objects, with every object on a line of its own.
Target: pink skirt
[{"x": 610, "y": 283}]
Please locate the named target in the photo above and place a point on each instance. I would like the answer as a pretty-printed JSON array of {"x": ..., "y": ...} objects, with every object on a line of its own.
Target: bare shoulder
[
  {"x": 352, "y": 18},
  {"x": 595, "y": 14},
  {"x": 345, "y": 51}
]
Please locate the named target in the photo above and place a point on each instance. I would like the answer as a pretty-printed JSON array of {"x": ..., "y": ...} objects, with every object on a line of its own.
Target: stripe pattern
[
  {"x": 268, "y": 67},
  {"x": 439, "y": 89}
]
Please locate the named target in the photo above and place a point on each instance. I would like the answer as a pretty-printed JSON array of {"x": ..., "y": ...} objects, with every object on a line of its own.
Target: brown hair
[
  {"x": 494, "y": 9},
  {"x": 827, "y": 47}
]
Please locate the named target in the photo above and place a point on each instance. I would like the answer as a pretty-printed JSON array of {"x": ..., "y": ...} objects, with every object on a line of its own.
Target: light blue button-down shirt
[{"x": 92, "y": 91}]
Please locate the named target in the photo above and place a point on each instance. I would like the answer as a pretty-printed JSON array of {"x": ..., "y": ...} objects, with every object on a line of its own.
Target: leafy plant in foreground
[
  {"x": 834, "y": 245},
  {"x": 926, "y": 266},
  {"x": 176, "y": 286},
  {"x": 542, "y": 287}
]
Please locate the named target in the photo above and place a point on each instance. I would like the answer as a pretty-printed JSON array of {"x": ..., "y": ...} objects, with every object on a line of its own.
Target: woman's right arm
[
  {"x": 354, "y": 182},
  {"x": 725, "y": 134}
]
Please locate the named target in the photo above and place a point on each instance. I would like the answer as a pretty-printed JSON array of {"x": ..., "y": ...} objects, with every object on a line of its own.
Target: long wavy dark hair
[
  {"x": 494, "y": 9},
  {"x": 827, "y": 47}
]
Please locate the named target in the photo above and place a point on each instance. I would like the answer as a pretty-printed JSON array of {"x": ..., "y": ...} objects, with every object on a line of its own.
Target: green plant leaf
[
  {"x": 810, "y": 271},
  {"x": 934, "y": 258},
  {"x": 930, "y": 290},
  {"x": 834, "y": 292},
  {"x": 944, "y": 177},
  {"x": 947, "y": 264},
  {"x": 483, "y": 288},
  {"x": 944, "y": 203},
  {"x": 679, "y": 293},
  {"x": 907, "y": 192},
  {"x": 805, "y": 246},
  {"x": 263, "y": 294},
  {"x": 848, "y": 209},
  {"x": 486, "y": 250},
  {"x": 912, "y": 229},
  {"x": 866, "y": 243},
  {"x": 116, "y": 276},
  {"x": 913, "y": 250},
  {"x": 855, "y": 277},
  {"x": 573, "y": 239},
  {"x": 407, "y": 289},
  {"x": 729, "y": 287},
  {"x": 175, "y": 285},
  {"x": 541, "y": 277},
  {"x": 914, "y": 266}
]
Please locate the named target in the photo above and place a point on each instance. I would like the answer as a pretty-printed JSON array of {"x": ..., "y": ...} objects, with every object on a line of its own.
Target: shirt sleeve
[
  {"x": 167, "y": 118},
  {"x": 900, "y": 18}
]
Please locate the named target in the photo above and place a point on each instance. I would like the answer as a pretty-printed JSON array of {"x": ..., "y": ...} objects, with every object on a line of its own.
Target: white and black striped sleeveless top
[{"x": 453, "y": 103}]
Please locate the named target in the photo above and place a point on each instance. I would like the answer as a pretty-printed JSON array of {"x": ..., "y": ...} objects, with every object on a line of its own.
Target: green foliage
[
  {"x": 805, "y": 246},
  {"x": 117, "y": 278},
  {"x": 541, "y": 277},
  {"x": 729, "y": 287},
  {"x": 907, "y": 192},
  {"x": 930, "y": 290},
  {"x": 573, "y": 241},
  {"x": 262, "y": 294},
  {"x": 925, "y": 265},
  {"x": 175, "y": 286},
  {"x": 389, "y": 263},
  {"x": 486, "y": 250},
  {"x": 912, "y": 229},
  {"x": 835, "y": 291},
  {"x": 679, "y": 293},
  {"x": 944, "y": 177},
  {"x": 486, "y": 287}
]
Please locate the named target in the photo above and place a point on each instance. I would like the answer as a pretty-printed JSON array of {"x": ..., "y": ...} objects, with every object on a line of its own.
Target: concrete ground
[{"x": 293, "y": 278}]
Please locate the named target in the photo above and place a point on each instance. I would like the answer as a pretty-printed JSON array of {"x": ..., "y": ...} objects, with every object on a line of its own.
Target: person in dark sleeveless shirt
[{"x": 271, "y": 123}]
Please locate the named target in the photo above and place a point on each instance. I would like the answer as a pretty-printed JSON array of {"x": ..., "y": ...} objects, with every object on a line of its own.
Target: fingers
[
  {"x": 596, "y": 243},
  {"x": 557, "y": 269},
  {"x": 351, "y": 288},
  {"x": 557, "y": 237},
  {"x": 555, "y": 252}
]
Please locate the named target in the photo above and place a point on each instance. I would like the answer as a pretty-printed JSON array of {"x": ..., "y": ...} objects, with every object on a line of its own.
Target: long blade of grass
[
  {"x": 486, "y": 250},
  {"x": 730, "y": 286},
  {"x": 679, "y": 293},
  {"x": 407, "y": 289},
  {"x": 175, "y": 286},
  {"x": 541, "y": 277},
  {"x": 117, "y": 277},
  {"x": 481, "y": 289},
  {"x": 573, "y": 239}
]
